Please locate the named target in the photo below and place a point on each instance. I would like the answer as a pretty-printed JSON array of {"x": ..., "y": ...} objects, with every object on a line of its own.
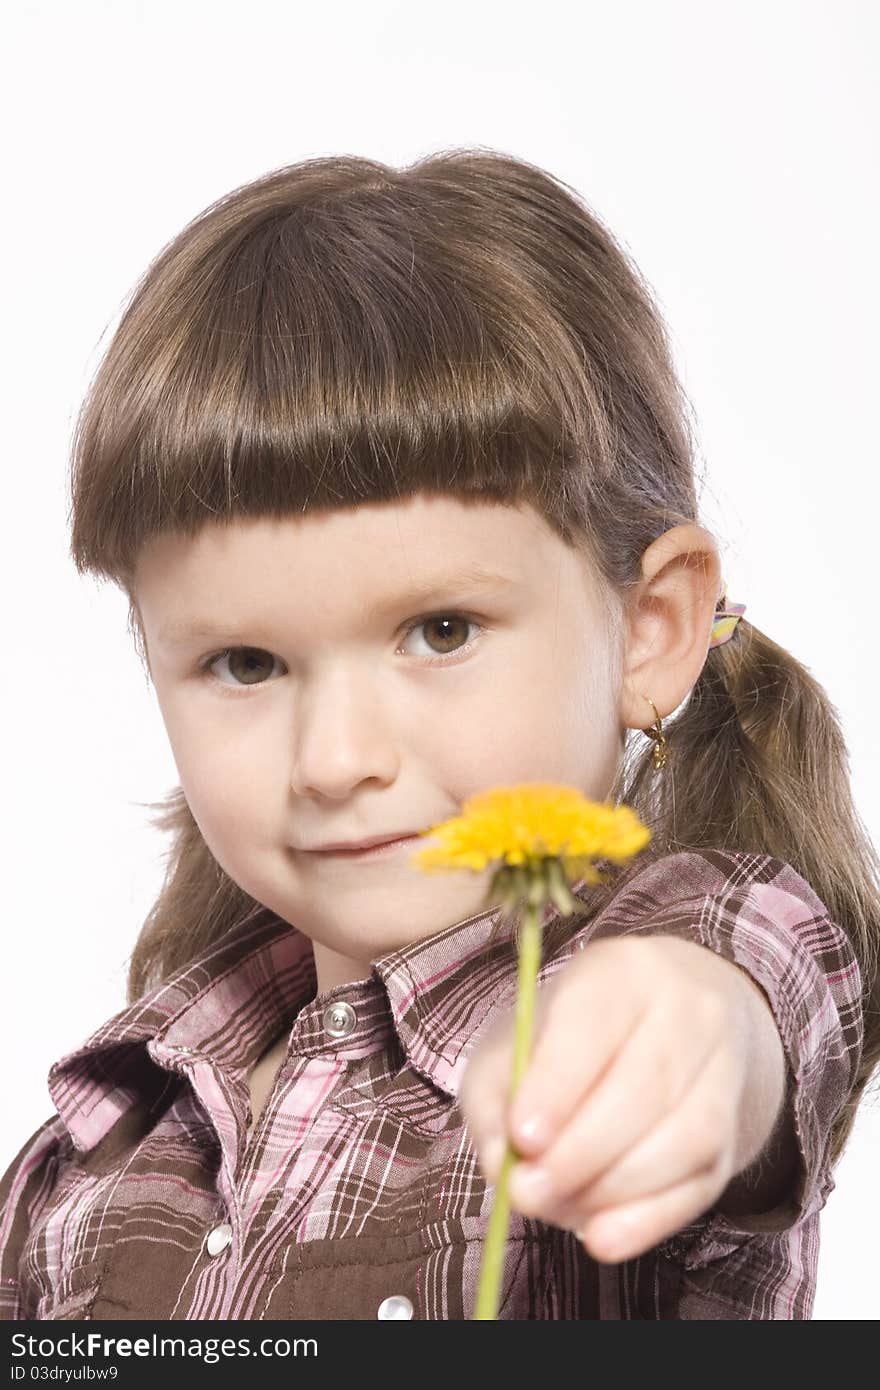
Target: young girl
[{"x": 396, "y": 474}]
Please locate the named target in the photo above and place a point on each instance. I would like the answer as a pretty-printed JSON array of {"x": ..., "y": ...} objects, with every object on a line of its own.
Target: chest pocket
[
  {"x": 427, "y": 1274},
  {"x": 434, "y": 1274}
]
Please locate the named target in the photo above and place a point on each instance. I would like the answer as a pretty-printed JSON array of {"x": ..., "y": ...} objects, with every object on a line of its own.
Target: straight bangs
[{"x": 333, "y": 334}]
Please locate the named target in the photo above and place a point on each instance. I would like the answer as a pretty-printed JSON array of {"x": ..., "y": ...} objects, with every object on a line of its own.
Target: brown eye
[
  {"x": 445, "y": 633},
  {"x": 246, "y": 664}
]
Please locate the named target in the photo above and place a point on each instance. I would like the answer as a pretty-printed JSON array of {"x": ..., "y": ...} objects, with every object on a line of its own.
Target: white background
[{"x": 732, "y": 149}]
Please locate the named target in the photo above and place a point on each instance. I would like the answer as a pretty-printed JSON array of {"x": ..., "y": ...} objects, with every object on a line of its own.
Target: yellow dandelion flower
[
  {"x": 541, "y": 835},
  {"x": 531, "y": 822}
]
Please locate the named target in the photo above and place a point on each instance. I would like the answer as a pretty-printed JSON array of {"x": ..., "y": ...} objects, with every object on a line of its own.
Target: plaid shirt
[{"x": 359, "y": 1194}]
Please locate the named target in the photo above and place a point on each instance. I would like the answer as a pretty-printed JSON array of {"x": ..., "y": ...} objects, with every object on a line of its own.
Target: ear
[{"x": 669, "y": 623}]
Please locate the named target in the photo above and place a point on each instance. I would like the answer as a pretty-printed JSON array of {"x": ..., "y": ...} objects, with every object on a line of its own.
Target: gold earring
[{"x": 661, "y": 746}]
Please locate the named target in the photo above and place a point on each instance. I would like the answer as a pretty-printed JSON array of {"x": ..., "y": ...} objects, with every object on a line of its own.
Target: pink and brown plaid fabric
[{"x": 147, "y": 1195}]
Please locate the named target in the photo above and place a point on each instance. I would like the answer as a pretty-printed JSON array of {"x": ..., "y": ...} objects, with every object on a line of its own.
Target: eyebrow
[{"x": 472, "y": 577}]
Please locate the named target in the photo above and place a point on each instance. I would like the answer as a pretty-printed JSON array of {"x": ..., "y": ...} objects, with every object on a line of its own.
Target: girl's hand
[{"x": 629, "y": 1109}]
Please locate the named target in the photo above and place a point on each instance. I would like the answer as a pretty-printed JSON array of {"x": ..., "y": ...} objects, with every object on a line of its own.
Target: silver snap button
[
  {"x": 218, "y": 1239},
  {"x": 397, "y": 1306},
  {"x": 339, "y": 1019}
]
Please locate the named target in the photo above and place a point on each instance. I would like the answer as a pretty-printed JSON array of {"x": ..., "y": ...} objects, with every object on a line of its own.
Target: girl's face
[{"x": 374, "y": 681}]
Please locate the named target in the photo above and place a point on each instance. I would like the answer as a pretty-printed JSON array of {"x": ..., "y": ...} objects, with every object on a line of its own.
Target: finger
[
  {"x": 621, "y": 1233},
  {"x": 484, "y": 1090},
  {"x": 585, "y": 1003},
  {"x": 648, "y": 1081},
  {"x": 700, "y": 1134}
]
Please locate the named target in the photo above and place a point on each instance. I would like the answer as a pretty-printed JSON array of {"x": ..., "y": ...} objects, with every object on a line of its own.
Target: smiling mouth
[{"x": 386, "y": 847}]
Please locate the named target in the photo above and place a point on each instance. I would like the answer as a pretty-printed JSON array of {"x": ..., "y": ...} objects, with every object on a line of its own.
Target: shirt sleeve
[
  {"x": 759, "y": 913},
  {"x": 25, "y": 1190}
]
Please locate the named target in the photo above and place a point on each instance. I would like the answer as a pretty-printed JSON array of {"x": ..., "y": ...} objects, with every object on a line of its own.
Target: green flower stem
[{"x": 492, "y": 1266}]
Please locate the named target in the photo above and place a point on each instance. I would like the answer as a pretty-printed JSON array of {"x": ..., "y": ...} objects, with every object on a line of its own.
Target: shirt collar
[{"x": 239, "y": 994}]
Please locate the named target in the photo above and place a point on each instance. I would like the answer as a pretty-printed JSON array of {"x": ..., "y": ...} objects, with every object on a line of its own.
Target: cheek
[
  {"x": 229, "y": 784},
  {"x": 548, "y": 718},
  {"x": 514, "y": 732}
]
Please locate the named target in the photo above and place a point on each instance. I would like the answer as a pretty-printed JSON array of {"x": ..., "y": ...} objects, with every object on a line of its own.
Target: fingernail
[
  {"x": 534, "y": 1129},
  {"x": 611, "y": 1235}
]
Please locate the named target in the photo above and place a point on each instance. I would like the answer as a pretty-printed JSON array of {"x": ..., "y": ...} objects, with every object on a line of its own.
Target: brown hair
[{"x": 340, "y": 331}]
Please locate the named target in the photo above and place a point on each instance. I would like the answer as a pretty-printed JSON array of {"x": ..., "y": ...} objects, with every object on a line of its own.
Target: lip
[{"x": 367, "y": 851}]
